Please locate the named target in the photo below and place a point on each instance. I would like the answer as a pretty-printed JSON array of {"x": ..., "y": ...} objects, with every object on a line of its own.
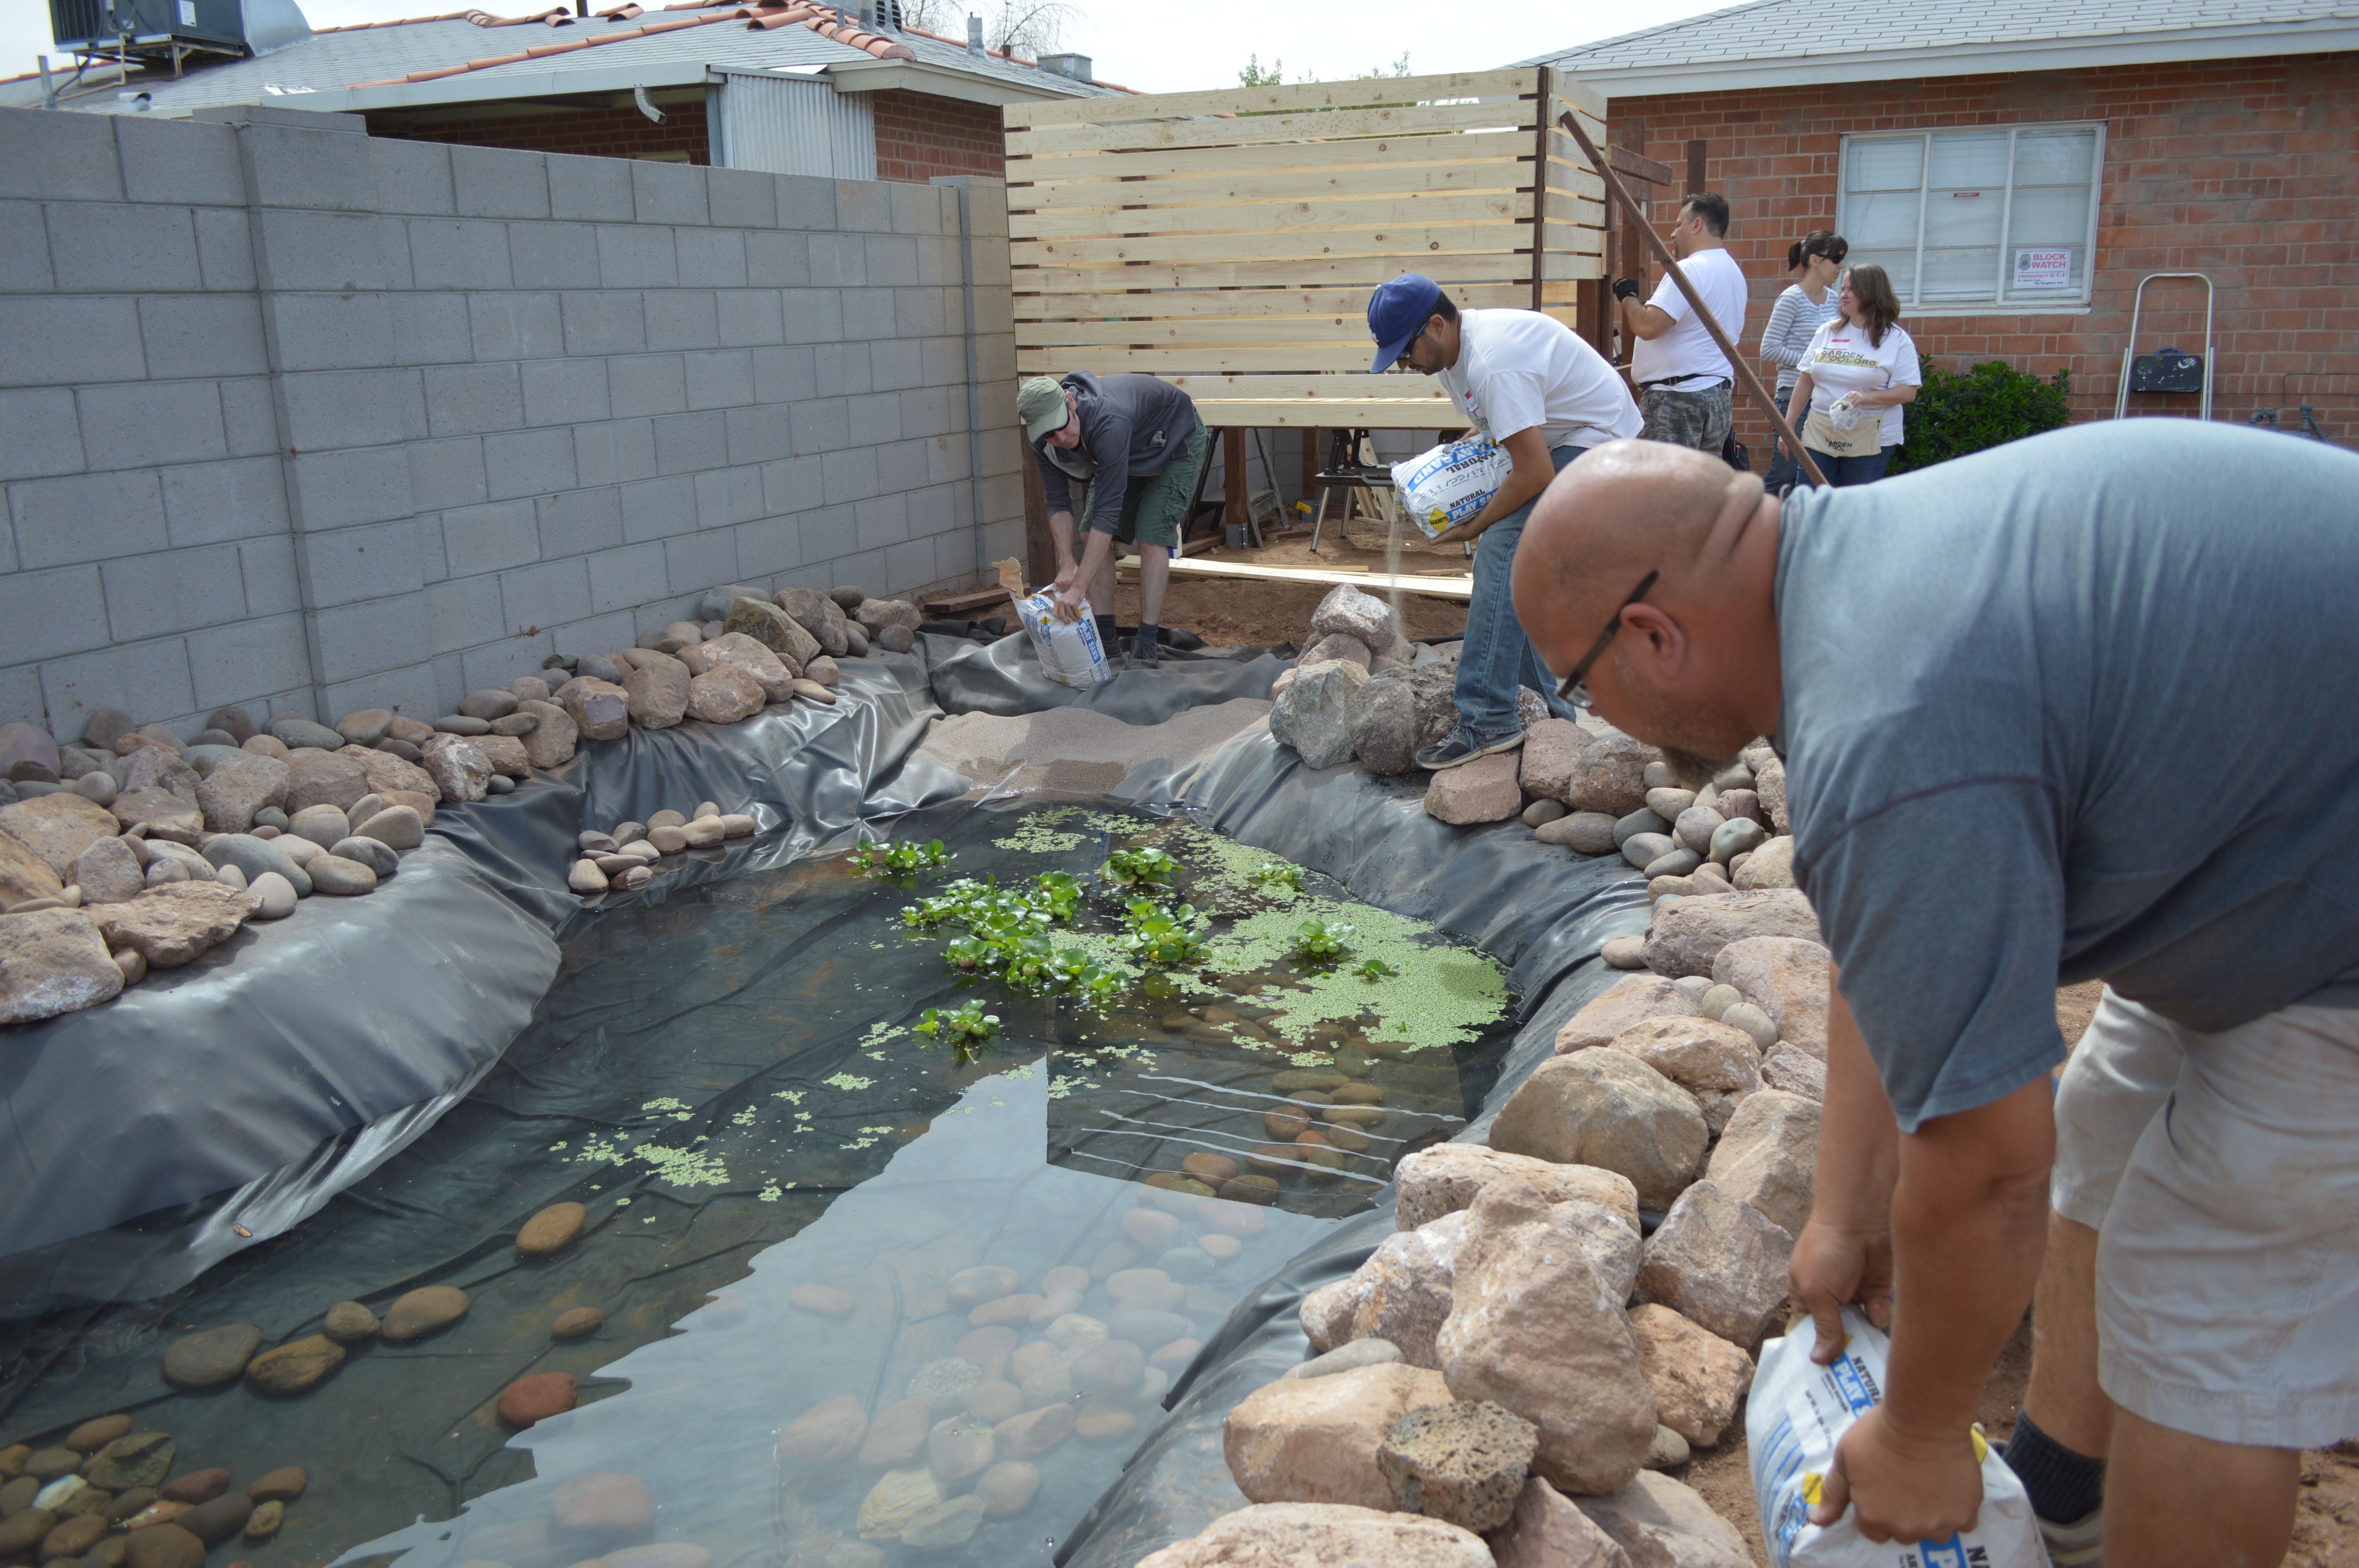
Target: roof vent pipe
[
  {"x": 1076, "y": 66},
  {"x": 974, "y": 35}
]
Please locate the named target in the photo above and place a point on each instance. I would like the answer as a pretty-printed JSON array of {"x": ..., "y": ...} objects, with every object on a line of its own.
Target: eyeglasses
[
  {"x": 1401, "y": 358},
  {"x": 1574, "y": 687}
]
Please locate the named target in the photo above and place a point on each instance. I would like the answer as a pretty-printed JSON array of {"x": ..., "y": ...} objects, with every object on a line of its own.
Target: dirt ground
[{"x": 1243, "y": 612}]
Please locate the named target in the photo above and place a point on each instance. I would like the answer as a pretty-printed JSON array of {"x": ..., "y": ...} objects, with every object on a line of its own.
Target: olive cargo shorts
[{"x": 1155, "y": 505}]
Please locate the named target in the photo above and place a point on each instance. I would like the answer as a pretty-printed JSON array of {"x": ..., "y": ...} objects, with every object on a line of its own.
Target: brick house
[
  {"x": 2019, "y": 167},
  {"x": 784, "y": 88}
]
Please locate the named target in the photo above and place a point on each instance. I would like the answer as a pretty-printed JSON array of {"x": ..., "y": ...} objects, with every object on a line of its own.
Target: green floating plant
[
  {"x": 1273, "y": 875},
  {"x": 1165, "y": 938},
  {"x": 1376, "y": 970},
  {"x": 962, "y": 1029},
  {"x": 1318, "y": 941},
  {"x": 1137, "y": 870},
  {"x": 883, "y": 858}
]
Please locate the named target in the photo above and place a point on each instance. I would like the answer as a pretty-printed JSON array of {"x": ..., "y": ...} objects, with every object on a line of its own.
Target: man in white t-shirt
[
  {"x": 1684, "y": 380},
  {"x": 1543, "y": 397}
]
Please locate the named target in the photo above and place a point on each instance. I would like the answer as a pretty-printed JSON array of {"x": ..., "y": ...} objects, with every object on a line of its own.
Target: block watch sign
[{"x": 2043, "y": 269}]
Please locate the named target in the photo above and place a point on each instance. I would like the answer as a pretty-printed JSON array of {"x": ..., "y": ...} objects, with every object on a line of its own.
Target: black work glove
[{"x": 1628, "y": 288}]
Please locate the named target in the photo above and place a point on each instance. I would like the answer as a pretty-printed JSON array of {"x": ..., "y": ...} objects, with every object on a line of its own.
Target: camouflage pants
[{"x": 1699, "y": 419}]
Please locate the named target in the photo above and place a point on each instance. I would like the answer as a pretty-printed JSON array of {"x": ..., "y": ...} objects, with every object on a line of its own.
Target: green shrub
[{"x": 1989, "y": 405}]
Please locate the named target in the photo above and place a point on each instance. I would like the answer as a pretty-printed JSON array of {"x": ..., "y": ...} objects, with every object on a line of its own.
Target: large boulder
[
  {"x": 1445, "y": 1178},
  {"x": 1325, "y": 1535},
  {"x": 1534, "y": 1329},
  {"x": 553, "y": 739},
  {"x": 875, "y": 614},
  {"x": 818, "y": 614},
  {"x": 157, "y": 767},
  {"x": 1314, "y": 1440},
  {"x": 1663, "y": 1523},
  {"x": 1552, "y": 752},
  {"x": 1362, "y": 617},
  {"x": 656, "y": 693},
  {"x": 1401, "y": 1294},
  {"x": 1311, "y": 715},
  {"x": 724, "y": 695},
  {"x": 166, "y": 814},
  {"x": 108, "y": 873},
  {"x": 774, "y": 629},
  {"x": 1768, "y": 1155},
  {"x": 599, "y": 709},
  {"x": 1717, "y": 1064},
  {"x": 1483, "y": 790},
  {"x": 316, "y": 777},
  {"x": 1608, "y": 1109},
  {"x": 1626, "y": 1003},
  {"x": 1770, "y": 866},
  {"x": 176, "y": 923},
  {"x": 1396, "y": 712},
  {"x": 54, "y": 961},
  {"x": 1611, "y": 776},
  {"x": 388, "y": 774},
  {"x": 1464, "y": 1461},
  {"x": 1686, "y": 937},
  {"x": 1786, "y": 977},
  {"x": 56, "y": 828},
  {"x": 29, "y": 754},
  {"x": 239, "y": 786},
  {"x": 1718, "y": 1262},
  {"x": 25, "y": 875},
  {"x": 460, "y": 770},
  {"x": 1699, "y": 1378},
  {"x": 774, "y": 676},
  {"x": 1547, "y": 1531},
  {"x": 1769, "y": 785},
  {"x": 505, "y": 753}
]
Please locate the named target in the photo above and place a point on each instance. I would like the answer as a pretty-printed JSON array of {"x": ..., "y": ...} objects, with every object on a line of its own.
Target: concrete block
[
  {"x": 1001, "y": 540},
  {"x": 928, "y": 312},
  {"x": 778, "y": 259},
  {"x": 806, "y": 202},
  {"x": 838, "y": 260},
  {"x": 238, "y": 664},
  {"x": 812, "y": 315},
  {"x": 750, "y": 318},
  {"x": 371, "y": 561},
  {"x": 24, "y": 249},
  {"x": 522, "y": 325},
  {"x": 1002, "y": 496},
  {"x": 794, "y": 486},
  {"x": 633, "y": 257},
  {"x": 909, "y": 564},
  {"x": 488, "y": 538},
  {"x": 615, "y": 453},
  {"x": 929, "y": 412},
  {"x": 892, "y": 261},
  {"x": 946, "y": 457},
  {"x": 409, "y": 692},
  {"x": 450, "y": 680},
  {"x": 354, "y": 408},
  {"x": 875, "y": 416},
  {"x": 224, "y": 247},
  {"x": 694, "y": 562},
  {"x": 564, "y": 392},
  {"x": 546, "y": 594},
  {"x": 597, "y": 189},
  {"x": 43, "y": 436},
  {"x": 669, "y": 193},
  {"x": 768, "y": 545},
  {"x": 68, "y": 157},
  {"x": 894, "y": 365},
  {"x": 267, "y": 566},
  {"x": 553, "y": 256},
  {"x": 429, "y": 328},
  {"x": 472, "y": 400},
  {"x": 620, "y": 578},
  {"x": 203, "y": 334},
  {"x": 152, "y": 422},
  {"x": 172, "y": 591},
  {"x": 882, "y": 520},
  {"x": 54, "y": 339},
  {"x": 741, "y": 198},
  {"x": 943, "y": 360},
  {"x": 86, "y": 517},
  {"x": 938, "y": 265},
  {"x": 658, "y": 508},
  {"x": 785, "y": 374},
  {"x": 145, "y": 677},
  {"x": 711, "y": 258},
  {"x": 759, "y": 435},
  {"x": 848, "y": 473},
  {"x": 937, "y": 509},
  {"x": 689, "y": 443},
  {"x": 866, "y": 313},
  {"x": 498, "y": 182},
  {"x": 647, "y": 384},
  {"x": 682, "y": 319},
  {"x": 462, "y": 613},
  {"x": 447, "y": 473},
  {"x": 614, "y": 629},
  {"x": 496, "y": 663},
  {"x": 720, "y": 380},
  {"x": 459, "y": 253},
  {"x": 372, "y": 635},
  {"x": 986, "y": 208},
  {"x": 431, "y": 566},
  {"x": 725, "y": 496},
  {"x": 178, "y": 161},
  {"x": 333, "y": 332},
  {"x": 250, "y": 416},
  {"x": 841, "y": 368},
  {"x": 528, "y": 463},
  {"x": 994, "y": 360},
  {"x": 863, "y": 206},
  {"x": 53, "y": 612},
  {"x": 335, "y": 250},
  {"x": 208, "y": 504},
  {"x": 20, "y": 695},
  {"x": 923, "y": 208},
  {"x": 604, "y": 321},
  {"x": 865, "y": 567},
  {"x": 412, "y": 178},
  {"x": 821, "y": 425},
  {"x": 829, "y": 535},
  {"x": 312, "y": 167},
  {"x": 579, "y": 521}
]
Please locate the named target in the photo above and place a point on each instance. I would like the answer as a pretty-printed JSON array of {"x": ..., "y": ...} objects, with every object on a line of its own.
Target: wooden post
[
  {"x": 1039, "y": 549},
  {"x": 1539, "y": 187},
  {"x": 1233, "y": 505},
  {"x": 1310, "y": 441},
  {"x": 1695, "y": 169}
]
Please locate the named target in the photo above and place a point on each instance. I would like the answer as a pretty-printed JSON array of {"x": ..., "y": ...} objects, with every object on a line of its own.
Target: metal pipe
[{"x": 1744, "y": 372}]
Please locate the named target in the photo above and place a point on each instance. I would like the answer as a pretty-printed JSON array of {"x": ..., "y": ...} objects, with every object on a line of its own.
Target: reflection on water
[{"x": 838, "y": 1272}]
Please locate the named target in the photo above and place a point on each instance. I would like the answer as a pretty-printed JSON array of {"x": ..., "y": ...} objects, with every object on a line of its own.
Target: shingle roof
[{"x": 1837, "y": 37}]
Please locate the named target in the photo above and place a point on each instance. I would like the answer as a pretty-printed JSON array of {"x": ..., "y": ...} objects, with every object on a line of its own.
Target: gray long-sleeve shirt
[{"x": 1131, "y": 425}]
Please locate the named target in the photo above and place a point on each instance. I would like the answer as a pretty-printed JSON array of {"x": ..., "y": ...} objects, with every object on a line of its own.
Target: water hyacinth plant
[
  {"x": 1320, "y": 942},
  {"x": 1139, "y": 870},
  {"x": 883, "y": 858},
  {"x": 962, "y": 1029}
]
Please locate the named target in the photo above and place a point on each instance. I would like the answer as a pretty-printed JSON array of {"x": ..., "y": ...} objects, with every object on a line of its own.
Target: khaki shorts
[
  {"x": 1154, "y": 505},
  {"x": 2222, "y": 1173}
]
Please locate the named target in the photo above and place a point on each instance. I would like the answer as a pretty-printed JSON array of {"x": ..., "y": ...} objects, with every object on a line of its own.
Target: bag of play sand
[
  {"x": 1444, "y": 487},
  {"x": 1798, "y": 1411},
  {"x": 1070, "y": 652}
]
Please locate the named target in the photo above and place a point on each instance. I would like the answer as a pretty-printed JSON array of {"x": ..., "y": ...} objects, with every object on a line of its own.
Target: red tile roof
[{"x": 821, "y": 20}]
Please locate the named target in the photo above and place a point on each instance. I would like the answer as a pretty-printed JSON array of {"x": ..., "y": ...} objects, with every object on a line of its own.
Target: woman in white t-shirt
[{"x": 1858, "y": 364}]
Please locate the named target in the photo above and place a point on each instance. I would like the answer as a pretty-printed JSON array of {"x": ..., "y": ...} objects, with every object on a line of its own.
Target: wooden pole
[
  {"x": 1040, "y": 549},
  {"x": 1539, "y": 187},
  {"x": 1744, "y": 372},
  {"x": 1232, "y": 472}
]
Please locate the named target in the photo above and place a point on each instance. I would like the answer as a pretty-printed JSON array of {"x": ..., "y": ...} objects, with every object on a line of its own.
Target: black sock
[
  {"x": 2064, "y": 1486},
  {"x": 1105, "y": 630},
  {"x": 1149, "y": 635}
]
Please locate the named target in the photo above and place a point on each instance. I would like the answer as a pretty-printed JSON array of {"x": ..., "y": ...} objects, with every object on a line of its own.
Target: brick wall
[
  {"x": 596, "y": 133},
  {"x": 397, "y": 419},
  {"x": 919, "y": 137},
  {"x": 2244, "y": 169}
]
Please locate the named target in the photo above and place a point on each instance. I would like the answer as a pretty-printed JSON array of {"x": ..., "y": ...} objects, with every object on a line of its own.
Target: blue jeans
[
  {"x": 1841, "y": 471},
  {"x": 1498, "y": 657}
]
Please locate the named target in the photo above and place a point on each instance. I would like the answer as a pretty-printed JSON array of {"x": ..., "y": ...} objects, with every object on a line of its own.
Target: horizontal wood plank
[
  {"x": 1578, "y": 94},
  {"x": 1414, "y": 120},
  {"x": 1230, "y": 304},
  {"x": 1401, "y": 387},
  {"x": 1305, "y": 221},
  {"x": 1274, "y": 157},
  {"x": 1339, "y": 356},
  {"x": 1274, "y": 98},
  {"x": 1206, "y": 332},
  {"x": 1412, "y": 242},
  {"x": 1438, "y": 585},
  {"x": 1326, "y": 414},
  {"x": 1284, "y": 185},
  {"x": 1450, "y": 270}
]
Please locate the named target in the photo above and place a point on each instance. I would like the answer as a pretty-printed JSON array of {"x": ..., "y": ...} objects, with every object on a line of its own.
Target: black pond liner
[{"x": 757, "y": 1018}]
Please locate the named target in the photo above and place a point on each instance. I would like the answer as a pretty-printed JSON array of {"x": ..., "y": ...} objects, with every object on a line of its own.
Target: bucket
[{"x": 1236, "y": 535}]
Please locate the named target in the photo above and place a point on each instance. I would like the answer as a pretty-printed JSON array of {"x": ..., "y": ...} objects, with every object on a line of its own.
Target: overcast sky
[{"x": 1168, "y": 46}]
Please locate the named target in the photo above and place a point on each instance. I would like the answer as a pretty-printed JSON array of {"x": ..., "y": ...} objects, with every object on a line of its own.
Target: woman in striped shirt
[{"x": 1807, "y": 304}]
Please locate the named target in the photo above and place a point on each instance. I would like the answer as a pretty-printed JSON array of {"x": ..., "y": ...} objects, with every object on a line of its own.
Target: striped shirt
[{"x": 1793, "y": 322}]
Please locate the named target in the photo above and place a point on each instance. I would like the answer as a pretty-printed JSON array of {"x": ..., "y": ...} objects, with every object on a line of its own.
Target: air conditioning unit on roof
[{"x": 157, "y": 31}]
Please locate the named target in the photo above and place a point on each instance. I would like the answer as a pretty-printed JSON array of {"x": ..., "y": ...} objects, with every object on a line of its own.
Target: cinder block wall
[{"x": 297, "y": 418}]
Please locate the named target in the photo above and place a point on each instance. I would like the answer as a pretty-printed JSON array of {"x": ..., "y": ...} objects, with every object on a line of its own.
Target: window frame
[{"x": 1998, "y": 304}]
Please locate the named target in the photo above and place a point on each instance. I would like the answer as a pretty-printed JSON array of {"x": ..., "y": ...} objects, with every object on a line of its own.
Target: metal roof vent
[
  {"x": 974, "y": 35},
  {"x": 166, "y": 32},
  {"x": 1076, "y": 66}
]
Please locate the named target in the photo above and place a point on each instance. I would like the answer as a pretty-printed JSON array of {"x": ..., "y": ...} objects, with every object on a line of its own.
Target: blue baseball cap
[{"x": 1395, "y": 310}]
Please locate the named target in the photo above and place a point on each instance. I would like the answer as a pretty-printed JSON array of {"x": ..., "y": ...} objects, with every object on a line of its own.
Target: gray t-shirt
[{"x": 2078, "y": 707}]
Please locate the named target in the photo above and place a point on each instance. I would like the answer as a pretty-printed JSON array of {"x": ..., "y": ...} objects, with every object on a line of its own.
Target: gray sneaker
[
  {"x": 1460, "y": 747},
  {"x": 1143, "y": 655}
]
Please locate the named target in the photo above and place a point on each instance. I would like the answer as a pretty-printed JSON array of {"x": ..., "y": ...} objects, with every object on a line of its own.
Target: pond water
[{"x": 856, "y": 1281}]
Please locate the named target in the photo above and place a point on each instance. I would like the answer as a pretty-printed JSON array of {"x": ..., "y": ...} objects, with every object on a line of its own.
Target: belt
[{"x": 1675, "y": 380}]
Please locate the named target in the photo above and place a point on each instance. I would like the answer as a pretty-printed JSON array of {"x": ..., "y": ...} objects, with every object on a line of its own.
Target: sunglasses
[
  {"x": 1574, "y": 687},
  {"x": 1401, "y": 358}
]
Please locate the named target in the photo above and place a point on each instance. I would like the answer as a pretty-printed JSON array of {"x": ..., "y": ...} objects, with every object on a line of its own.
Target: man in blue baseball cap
[{"x": 1543, "y": 397}]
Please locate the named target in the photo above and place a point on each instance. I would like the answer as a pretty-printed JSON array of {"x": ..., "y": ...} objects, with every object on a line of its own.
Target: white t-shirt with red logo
[{"x": 1841, "y": 359}]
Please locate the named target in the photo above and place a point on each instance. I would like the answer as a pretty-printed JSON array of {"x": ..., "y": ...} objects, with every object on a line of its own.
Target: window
[{"x": 1990, "y": 218}]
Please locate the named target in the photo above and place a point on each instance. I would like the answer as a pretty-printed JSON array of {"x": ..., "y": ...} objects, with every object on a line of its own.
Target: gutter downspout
[{"x": 973, "y": 373}]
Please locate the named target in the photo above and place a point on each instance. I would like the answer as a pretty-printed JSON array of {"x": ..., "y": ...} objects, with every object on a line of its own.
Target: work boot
[
  {"x": 1462, "y": 746},
  {"x": 1143, "y": 654}
]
